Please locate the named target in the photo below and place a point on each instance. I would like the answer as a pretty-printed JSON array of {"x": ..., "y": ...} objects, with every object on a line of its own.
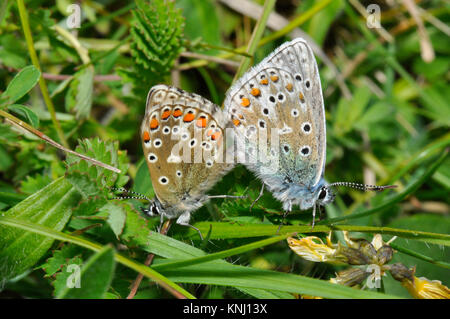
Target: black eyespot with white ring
[
  {"x": 179, "y": 174},
  {"x": 295, "y": 113},
  {"x": 163, "y": 180},
  {"x": 286, "y": 148},
  {"x": 166, "y": 130},
  {"x": 298, "y": 77},
  {"x": 306, "y": 128},
  {"x": 265, "y": 111},
  {"x": 152, "y": 158},
  {"x": 281, "y": 97},
  {"x": 262, "y": 123},
  {"x": 157, "y": 142},
  {"x": 209, "y": 163},
  {"x": 308, "y": 84},
  {"x": 305, "y": 150},
  {"x": 272, "y": 99},
  {"x": 192, "y": 143}
]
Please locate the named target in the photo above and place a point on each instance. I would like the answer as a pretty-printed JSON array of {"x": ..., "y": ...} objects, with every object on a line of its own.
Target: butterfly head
[
  {"x": 324, "y": 195},
  {"x": 154, "y": 208}
]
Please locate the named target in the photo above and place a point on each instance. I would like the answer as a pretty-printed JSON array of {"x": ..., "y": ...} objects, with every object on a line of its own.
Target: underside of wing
[
  {"x": 277, "y": 111},
  {"x": 182, "y": 137}
]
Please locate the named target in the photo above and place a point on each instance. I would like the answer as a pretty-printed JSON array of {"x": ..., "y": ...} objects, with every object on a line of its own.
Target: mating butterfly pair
[{"x": 280, "y": 100}]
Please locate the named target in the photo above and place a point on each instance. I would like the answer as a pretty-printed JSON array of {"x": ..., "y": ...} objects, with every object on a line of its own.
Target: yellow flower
[
  {"x": 355, "y": 252},
  {"x": 423, "y": 288},
  {"x": 312, "y": 248}
]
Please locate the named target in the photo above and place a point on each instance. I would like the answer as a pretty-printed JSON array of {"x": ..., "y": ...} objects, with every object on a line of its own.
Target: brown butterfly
[{"x": 183, "y": 137}]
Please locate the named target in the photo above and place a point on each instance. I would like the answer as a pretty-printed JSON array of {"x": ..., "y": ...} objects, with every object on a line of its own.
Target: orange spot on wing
[
  {"x": 302, "y": 97},
  {"x": 209, "y": 133},
  {"x": 177, "y": 113},
  {"x": 245, "y": 102},
  {"x": 255, "y": 92},
  {"x": 236, "y": 122},
  {"x": 166, "y": 115},
  {"x": 216, "y": 135},
  {"x": 154, "y": 124},
  {"x": 274, "y": 78},
  {"x": 201, "y": 122},
  {"x": 289, "y": 87},
  {"x": 146, "y": 136},
  {"x": 264, "y": 82},
  {"x": 189, "y": 117}
]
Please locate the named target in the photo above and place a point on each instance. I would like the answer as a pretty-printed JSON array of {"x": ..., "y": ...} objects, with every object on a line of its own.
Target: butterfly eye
[
  {"x": 154, "y": 209},
  {"x": 323, "y": 193}
]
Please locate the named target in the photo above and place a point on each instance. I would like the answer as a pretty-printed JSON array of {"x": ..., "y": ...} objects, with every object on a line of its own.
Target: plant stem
[
  {"x": 148, "y": 262},
  {"x": 35, "y": 61},
  {"x": 255, "y": 39}
]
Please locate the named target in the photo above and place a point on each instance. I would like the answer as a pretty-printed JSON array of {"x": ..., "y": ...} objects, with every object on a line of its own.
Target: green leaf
[
  {"x": 142, "y": 181},
  {"x": 423, "y": 222},
  {"x": 25, "y": 113},
  {"x": 23, "y": 82},
  {"x": 95, "y": 277},
  {"x": 116, "y": 217},
  {"x": 202, "y": 13},
  {"x": 348, "y": 112},
  {"x": 51, "y": 207},
  {"x": 79, "y": 95},
  {"x": 219, "y": 272},
  {"x": 34, "y": 184},
  {"x": 60, "y": 257}
]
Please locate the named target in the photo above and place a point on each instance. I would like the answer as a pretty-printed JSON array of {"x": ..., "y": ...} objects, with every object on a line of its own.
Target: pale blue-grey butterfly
[
  {"x": 184, "y": 146},
  {"x": 277, "y": 111}
]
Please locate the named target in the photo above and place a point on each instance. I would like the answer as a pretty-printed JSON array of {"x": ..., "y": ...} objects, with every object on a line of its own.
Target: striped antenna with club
[
  {"x": 362, "y": 187},
  {"x": 123, "y": 190}
]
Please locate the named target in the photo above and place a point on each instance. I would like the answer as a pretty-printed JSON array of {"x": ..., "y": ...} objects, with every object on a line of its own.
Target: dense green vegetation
[{"x": 386, "y": 93}]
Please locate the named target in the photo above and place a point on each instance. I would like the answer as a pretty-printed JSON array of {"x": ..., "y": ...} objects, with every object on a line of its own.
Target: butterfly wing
[
  {"x": 282, "y": 96},
  {"x": 182, "y": 137}
]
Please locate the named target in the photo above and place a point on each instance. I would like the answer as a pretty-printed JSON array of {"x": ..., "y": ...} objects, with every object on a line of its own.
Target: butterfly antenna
[
  {"x": 123, "y": 190},
  {"x": 363, "y": 187}
]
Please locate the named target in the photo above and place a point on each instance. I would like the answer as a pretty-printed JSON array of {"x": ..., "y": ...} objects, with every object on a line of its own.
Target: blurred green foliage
[{"x": 392, "y": 129}]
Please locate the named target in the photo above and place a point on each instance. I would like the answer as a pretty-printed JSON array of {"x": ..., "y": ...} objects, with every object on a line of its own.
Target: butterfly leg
[
  {"x": 257, "y": 198},
  {"x": 286, "y": 212},
  {"x": 184, "y": 220},
  {"x": 161, "y": 222},
  {"x": 314, "y": 216},
  {"x": 225, "y": 196}
]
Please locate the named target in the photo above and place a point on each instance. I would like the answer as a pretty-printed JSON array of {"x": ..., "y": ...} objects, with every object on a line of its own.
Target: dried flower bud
[
  {"x": 351, "y": 256},
  {"x": 350, "y": 277},
  {"x": 400, "y": 272},
  {"x": 384, "y": 255}
]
